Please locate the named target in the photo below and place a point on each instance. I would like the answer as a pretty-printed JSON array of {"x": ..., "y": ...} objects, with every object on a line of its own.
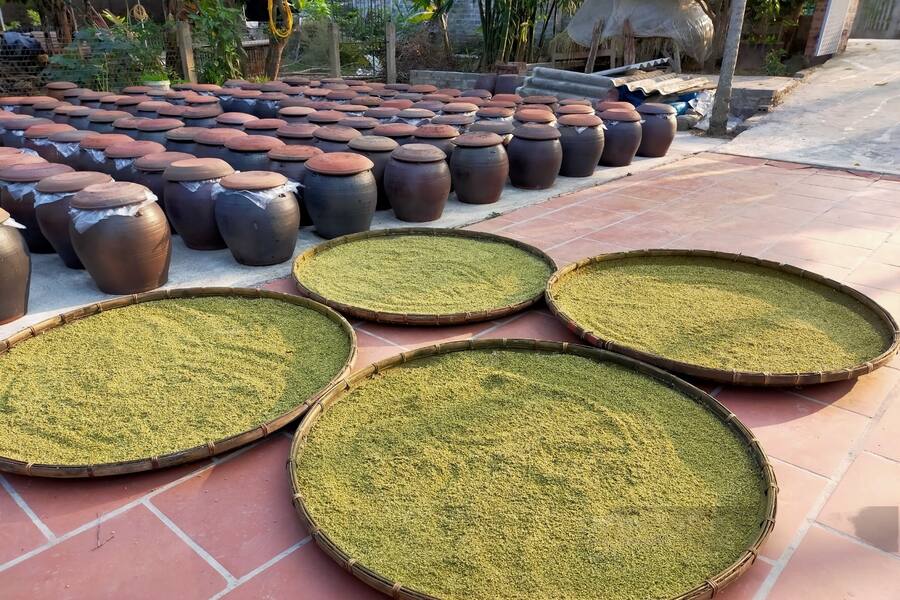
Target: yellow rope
[{"x": 288, "y": 20}]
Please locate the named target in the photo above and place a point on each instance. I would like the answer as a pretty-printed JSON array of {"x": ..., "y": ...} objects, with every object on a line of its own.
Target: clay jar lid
[
  {"x": 202, "y": 112},
  {"x": 655, "y": 108},
  {"x": 23, "y": 124},
  {"x": 7, "y": 160},
  {"x": 159, "y": 124},
  {"x": 373, "y": 143},
  {"x": 274, "y": 86},
  {"x": 575, "y": 101},
  {"x": 71, "y": 182},
  {"x": 350, "y": 108},
  {"x": 422, "y": 89},
  {"x": 175, "y": 110},
  {"x": 436, "y": 132},
  {"x": 359, "y": 123},
  {"x": 540, "y": 100},
  {"x": 205, "y": 87},
  {"x": 536, "y": 131},
  {"x": 575, "y": 109},
  {"x": 136, "y": 90},
  {"x": 476, "y": 93},
  {"x": 107, "y": 116},
  {"x": 456, "y": 120},
  {"x": 381, "y": 112},
  {"x": 527, "y": 115},
  {"x": 69, "y": 136},
  {"x": 133, "y": 149},
  {"x": 399, "y": 87},
  {"x": 581, "y": 120},
  {"x": 131, "y": 100},
  {"x": 367, "y": 101},
  {"x": 336, "y": 133},
  {"x": 49, "y": 104},
  {"x": 184, "y": 134},
  {"x": 235, "y": 118},
  {"x": 201, "y": 100},
  {"x": 326, "y": 117},
  {"x": 452, "y": 92},
  {"x": 339, "y": 163},
  {"x": 128, "y": 122},
  {"x": 299, "y": 131},
  {"x": 459, "y": 107},
  {"x": 478, "y": 139},
  {"x": 415, "y": 113},
  {"x": 152, "y": 105},
  {"x": 101, "y": 141},
  {"x": 620, "y": 114},
  {"x": 6, "y": 151},
  {"x": 498, "y": 127},
  {"x": 395, "y": 130},
  {"x": 158, "y": 161},
  {"x": 253, "y": 143},
  {"x": 296, "y": 111},
  {"x": 109, "y": 195},
  {"x": 431, "y": 105},
  {"x": 293, "y": 153},
  {"x": 503, "y": 104},
  {"x": 218, "y": 136},
  {"x": 62, "y": 109},
  {"x": 419, "y": 153},
  {"x": 494, "y": 112},
  {"x": 253, "y": 180},
  {"x": 608, "y": 104},
  {"x": 436, "y": 97},
  {"x": 339, "y": 95},
  {"x": 197, "y": 169},
  {"x": 28, "y": 173},
  {"x": 32, "y": 100},
  {"x": 263, "y": 124},
  {"x": 245, "y": 94},
  {"x": 46, "y": 130},
  {"x": 11, "y": 100},
  {"x": 399, "y": 103},
  {"x": 90, "y": 96},
  {"x": 508, "y": 98},
  {"x": 61, "y": 85}
]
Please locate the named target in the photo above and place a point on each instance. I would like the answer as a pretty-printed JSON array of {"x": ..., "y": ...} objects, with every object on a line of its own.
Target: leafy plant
[
  {"x": 219, "y": 26},
  {"x": 436, "y": 11},
  {"x": 774, "y": 64}
]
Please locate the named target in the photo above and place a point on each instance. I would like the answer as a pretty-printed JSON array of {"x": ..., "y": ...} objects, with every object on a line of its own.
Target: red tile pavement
[{"x": 228, "y": 529}]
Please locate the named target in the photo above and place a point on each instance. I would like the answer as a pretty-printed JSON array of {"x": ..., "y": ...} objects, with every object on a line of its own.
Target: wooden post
[
  {"x": 390, "y": 58},
  {"x": 186, "y": 50},
  {"x": 334, "y": 50},
  {"x": 630, "y": 52},
  {"x": 595, "y": 46},
  {"x": 718, "y": 120}
]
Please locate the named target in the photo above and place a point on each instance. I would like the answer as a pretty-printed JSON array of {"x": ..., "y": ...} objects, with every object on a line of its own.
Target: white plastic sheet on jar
[
  {"x": 193, "y": 186},
  {"x": 49, "y": 197},
  {"x": 40, "y": 142},
  {"x": 18, "y": 132},
  {"x": 10, "y": 222},
  {"x": 261, "y": 198},
  {"x": 123, "y": 163},
  {"x": 65, "y": 149},
  {"x": 96, "y": 155},
  {"x": 29, "y": 151},
  {"x": 82, "y": 220},
  {"x": 9, "y": 108},
  {"x": 413, "y": 122},
  {"x": 17, "y": 190}
]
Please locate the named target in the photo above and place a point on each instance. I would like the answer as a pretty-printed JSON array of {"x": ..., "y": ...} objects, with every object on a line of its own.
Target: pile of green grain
[
  {"x": 163, "y": 376},
  {"x": 487, "y": 475},
  {"x": 424, "y": 274},
  {"x": 722, "y": 314}
]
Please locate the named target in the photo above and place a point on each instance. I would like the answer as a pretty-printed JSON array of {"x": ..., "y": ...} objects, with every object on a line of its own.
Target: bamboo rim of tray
[
  {"x": 737, "y": 377},
  {"x": 397, "y": 318},
  {"x": 212, "y": 447},
  {"x": 396, "y": 589}
]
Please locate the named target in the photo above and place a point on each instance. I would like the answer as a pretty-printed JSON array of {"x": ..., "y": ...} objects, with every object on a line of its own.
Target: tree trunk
[
  {"x": 445, "y": 35},
  {"x": 718, "y": 121},
  {"x": 273, "y": 56}
]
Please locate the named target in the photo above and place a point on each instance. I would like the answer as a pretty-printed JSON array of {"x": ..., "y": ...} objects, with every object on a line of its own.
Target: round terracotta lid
[
  {"x": 436, "y": 97},
  {"x": 83, "y": 111},
  {"x": 6, "y": 151},
  {"x": 399, "y": 103},
  {"x": 457, "y": 120},
  {"x": 422, "y": 89},
  {"x": 479, "y": 102},
  {"x": 218, "y": 136},
  {"x": 415, "y": 113},
  {"x": 206, "y": 87},
  {"x": 245, "y": 94},
  {"x": 296, "y": 153},
  {"x": 373, "y": 143},
  {"x": 536, "y": 131},
  {"x": 61, "y": 85},
  {"x": 419, "y": 153},
  {"x": 110, "y": 98},
  {"x": 339, "y": 95},
  {"x": 175, "y": 111},
  {"x": 71, "y": 135},
  {"x": 296, "y": 111},
  {"x": 176, "y": 95},
  {"x": 325, "y": 116},
  {"x": 436, "y": 132},
  {"x": 159, "y": 124},
  {"x": 501, "y": 104},
  {"x": 575, "y": 109},
  {"x": 336, "y": 133},
  {"x": 316, "y": 93},
  {"x": 23, "y": 124},
  {"x": 109, "y": 195},
  {"x": 476, "y": 93},
  {"x": 235, "y": 118},
  {"x": 384, "y": 93},
  {"x": 202, "y": 112},
  {"x": 6, "y": 121},
  {"x": 11, "y": 100},
  {"x": 494, "y": 112},
  {"x": 434, "y": 107},
  {"x": 27, "y": 173},
  {"x": 158, "y": 161},
  {"x": 452, "y": 92},
  {"x": 62, "y": 109},
  {"x": 32, "y": 100},
  {"x": 131, "y": 100},
  {"x": 133, "y": 149},
  {"x": 367, "y": 101},
  {"x": 101, "y": 141},
  {"x": 7, "y": 160},
  {"x": 395, "y": 130},
  {"x": 339, "y": 163},
  {"x": 460, "y": 107},
  {"x": 527, "y": 115},
  {"x": 656, "y": 108},
  {"x": 46, "y": 130},
  {"x": 152, "y": 105},
  {"x": 107, "y": 116},
  {"x": 381, "y": 112},
  {"x": 197, "y": 169},
  {"x": 92, "y": 96},
  {"x": 399, "y": 87},
  {"x": 274, "y": 86},
  {"x": 498, "y": 127},
  {"x": 478, "y": 139},
  {"x": 575, "y": 101},
  {"x": 136, "y": 89},
  {"x": 508, "y": 98},
  {"x": 184, "y": 134},
  {"x": 301, "y": 131},
  {"x": 608, "y": 104},
  {"x": 253, "y": 180},
  {"x": 350, "y": 108},
  {"x": 264, "y": 124},
  {"x": 253, "y": 143},
  {"x": 620, "y": 114},
  {"x": 359, "y": 123},
  {"x": 49, "y": 104},
  {"x": 540, "y": 100},
  {"x": 581, "y": 120},
  {"x": 71, "y": 182},
  {"x": 129, "y": 122},
  {"x": 201, "y": 100}
]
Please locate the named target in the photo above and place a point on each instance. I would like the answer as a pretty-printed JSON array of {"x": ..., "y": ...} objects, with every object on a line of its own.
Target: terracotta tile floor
[{"x": 226, "y": 527}]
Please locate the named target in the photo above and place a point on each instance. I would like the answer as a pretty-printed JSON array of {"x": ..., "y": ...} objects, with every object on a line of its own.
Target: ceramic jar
[
  {"x": 55, "y": 89},
  {"x": 582, "y": 140},
  {"x": 250, "y": 152},
  {"x": 340, "y": 193},
  {"x": 241, "y": 101},
  {"x": 334, "y": 138},
  {"x": 364, "y": 125},
  {"x": 15, "y": 271},
  {"x": 44, "y": 109},
  {"x": 267, "y": 104},
  {"x": 91, "y": 156},
  {"x": 479, "y": 167},
  {"x": 298, "y": 134},
  {"x": 267, "y": 127},
  {"x": 439, "y": 136},
  {"x": 37, "y": 138},
  {"x": 149, "y": 172},
  {"x": 65, "y": 146},
  {"x": 623, "y": 136},
  {"x": 234, "y": 120},
  {"x": 79, "y": 117},
  {"x": 154, "y": 130},
  {"x": 290, "y": 161},
  {"x": 417, "y": 182},
  {"x": 14, "y": 130},
  {"x": 128, "y": 126},
  {"x": 402, "y": 133},
  {"x": 17, "y": 198},
  {"x": 121, "y": 237},
  {"x": 89, "y": 98},
  {"x": 378, "y": 150},
  {"x": 658, "y": 129},
  {"x": 382, "y": 114},
  {"x": 102, "y": 121},
  {"x": 201, "y": 116},
  {"x": 52, "y": 199},
  {"x": 295, "y": 114},
  {"x": 182, "y": 139},
  {"x": 502, "y": 128},
  {"x": 210, "y": 143},
  {"x": 189, "y": 203},
  {"x": 535, "y": 156},
  {"x": 122, "y": 157}
]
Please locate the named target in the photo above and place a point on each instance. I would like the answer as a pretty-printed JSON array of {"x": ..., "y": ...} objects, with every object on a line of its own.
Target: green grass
[
  {"x": 423, "y": 274},
  {"x": 162, "y": 376},
  {"x": 486, "y": 475},
  {"x": 721, "y": 314}
]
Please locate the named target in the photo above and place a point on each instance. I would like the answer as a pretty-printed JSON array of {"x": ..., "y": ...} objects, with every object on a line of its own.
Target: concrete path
[{"x": 847, "y": 114}]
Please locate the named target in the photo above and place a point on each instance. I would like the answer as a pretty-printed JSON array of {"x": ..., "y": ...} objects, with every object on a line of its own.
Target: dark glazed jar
[
  {"x": 402, "y": 133},
  {"x": 377, "y": 149},
  {"x": 149, "y": 172},
  {"x": 502, "y": 128},
  {"x": 182, "y": 139},
  {"x": 64, "y": 146},
  {"x": 210, "y": 143},
  {"x": 267, "y": 104},
  {"x": 154, "y": 130},
  {"x": 623, "y": 137},
  {"x": 242, "y": 101},
  {"x": 364, "y": 125},
  {"x": 44, "y": 109},
  {"x": 122, "y": 157},
  {"x": 52, "y": 199},
  {"x": 439, "y": 136},
  {"x": 15, "y": 271},
  {"x": 258, "y": 216},
  {"x": 290, "y": 161},
  {"x": 37, "y": 138},
  {"x": 14, "y": 134},
  {"x": 581, "y": 136},
  {"x": 295, "y": 114},
  {"x": 250, "y": 152},
  {"x": 189, "y": 202},
  {"x": 334, "y": 138},
  {"x": 201, "y": 116},
  {"x": 91, "y": 155},
  {"x": 17, "y": 198},
  {"x": 298, "y": 134},
  {"x": 417, "y": 182},
  {"x": 128, "y": 126},
  {"x": 479, "y": 167},
  {"x": 340, "y": 193},
  {"x": 267, "y": 127},
  {"x": 89, "y": 98},
  {"x": 102, "y": 121},
  {"x": 535, "y": 156},
  {"x": 79, "y": 117},
  {"x": 121, "y": 237},
  {"x": 234, "y": 120},
  {"x": 657, "y": 130}
]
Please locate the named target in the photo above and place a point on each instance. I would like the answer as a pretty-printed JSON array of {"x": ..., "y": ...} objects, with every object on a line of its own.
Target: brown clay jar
[
  {"x": 154, "y": 130},
  {"x": 52, "y": 199},
  {"x": 402, "y": 133},
  {"x": 102, "y": 121},
  {"x": 37, "y": 138},
  {"x": 122, "y": 157},
  {"x": 290, "y": 161},
  {"x": 582, "y": 140},
  {"x": 234, "y": 120},
  {"x": 479, "y": 167},
  {"x": 91, "y": 155},
  {"x": 189, "y": 202},
  {"x": 439, "y": 136},
  {"x": 417, "y": 182},
  {"x": 128, "y": 251},
  {"x": 149, "y": 172},
  {"x": 15, "y": 271},
  {"x": 623, "y": 137},
  {"x": 340, "y": 193},
  {"x": 15, "y": 127},
  {"x": 250, "y": 152},
  {"x": 658, "y": 129},
  {"x": 298, "y": 134},
  {"x": 17, "y": 184},
  {"x": 65, "y": 146},
  {"x": 210, "y": 143},
  {"x": 334, "y": 138},
  {"x": 378, "y": 150},
  {"x": 267, "y": 127},
  {"x": 535, "y": 156}
]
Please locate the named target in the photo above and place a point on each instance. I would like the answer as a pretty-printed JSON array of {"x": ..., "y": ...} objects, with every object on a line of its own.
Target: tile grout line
[
  {"x": 855, "y": 540},
  {"x": 827, "y": 404},
  {"x": 20, "y": 502},
  {"x": 262, "y": 568},
  {"x": 882, "y": 457}
]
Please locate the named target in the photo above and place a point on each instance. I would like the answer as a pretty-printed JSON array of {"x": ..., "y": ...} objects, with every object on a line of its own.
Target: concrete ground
[{"x": 846, "y": 114}]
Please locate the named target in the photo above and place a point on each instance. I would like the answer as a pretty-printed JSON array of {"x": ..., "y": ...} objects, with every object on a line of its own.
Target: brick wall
[{"x": 818, "y": 19}]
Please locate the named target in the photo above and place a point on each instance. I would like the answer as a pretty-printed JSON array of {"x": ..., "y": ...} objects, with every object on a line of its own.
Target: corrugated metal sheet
[{"x": 662, "y": 83}]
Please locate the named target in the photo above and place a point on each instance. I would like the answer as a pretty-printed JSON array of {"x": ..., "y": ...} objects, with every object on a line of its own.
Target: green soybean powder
[
  {"x": 163, "y": 376},
  {"x": 722, "y": 314},
  {"x": 423, "y": 274},
  {"x": 505, "y": 474}
]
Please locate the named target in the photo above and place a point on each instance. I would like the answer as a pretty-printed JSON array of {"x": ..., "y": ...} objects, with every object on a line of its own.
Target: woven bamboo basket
[
  {"x": 736, "y": 377},
  {"x": 211, "y": 448},
  {"x": 421, "y": 319},
  {"x": 703, "y": 590}
]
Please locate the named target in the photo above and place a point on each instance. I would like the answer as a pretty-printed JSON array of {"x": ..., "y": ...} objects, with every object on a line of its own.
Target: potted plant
[{"x": 156, "y": 79}]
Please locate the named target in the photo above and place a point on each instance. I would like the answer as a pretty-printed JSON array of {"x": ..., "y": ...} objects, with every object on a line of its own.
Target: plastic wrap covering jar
[
  {"x": 90, "y": 99},
  {"x": 267, "y": 104},
  {"x": 258, "y": 216},
  {"x": 479, "y": 167},
  {"x": 15, "y": 270},
  {"x": 121, "y": 237},
  {"x": 37, "y": 138},
  {"x": 225, "y": 96},
  {"x": 45, "y": 108},
  {"x": 623, "y": 136},
  {"x": 364, "y": 125},
  {"x": 439, "y": 136},
  {"x": 378, "y": 150},
  {"x": 102, "y": 121},
  {"x": 210, "y": 143},
  {"x": 535, "y": 156},
  {"x": 267, "y": 127},
  {"x": 150, "y": 170},
  {"x": 91, "y": 155},
  {"x": 402, "y": 133},
  {"x": 17, "y": 198},
  {"x": 65, "y": 146},
  {"x": 351, "y": 110},
  {"x": 52, "y": 198},
  {"x": 250, "y": 152},
  {"x": 14, "y": 130},
  {"x": 6, "y": 121},
  {"x": 417, "y": 182},
  {"x": 182, "y": 139},
  {"x": 295, "y": 114},
  {"x": 201, "y": 116},
  {"x": 340, "y": 193},
  {"x": 234, "y": 120},
  {"x": 290, "y": 161},
  {"x": 189, "y": 202},
  {"x": 12, "y": 104},
  {"x": 415, "y": 116},
  {"x": 55, "y": 89},
  {"x": 298, "y": 134},
  {"x": 243, "y": 101},
  {"x": 658, "y": 129},
  {"x": 502, "y": 128},
  {"x": 123, "y": 156},
  {"x": 581, "y": 136},
  {"x": 154, "y": 130},
  {"x": 334, "y": 138}
]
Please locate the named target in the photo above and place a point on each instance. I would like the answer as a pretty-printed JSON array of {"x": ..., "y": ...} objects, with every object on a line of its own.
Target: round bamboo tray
[
  {"x": 395, "y": 589},
  {"x": 396, "y": 318},
  {"x": 737, "y": 377},
  {"x": 212, "y": 447}
]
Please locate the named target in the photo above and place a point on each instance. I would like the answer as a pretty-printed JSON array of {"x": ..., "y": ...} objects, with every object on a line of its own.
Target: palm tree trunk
[{"x": 718, "y": 121}]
